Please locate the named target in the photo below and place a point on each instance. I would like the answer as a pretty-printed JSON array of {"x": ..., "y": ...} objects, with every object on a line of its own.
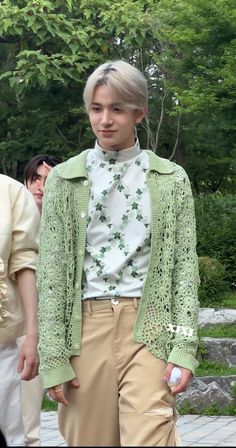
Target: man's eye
[
  {"x": 95, "y": 108},
  {"x": 36, "y": 177},
  {"x": 119, "y": 109}
]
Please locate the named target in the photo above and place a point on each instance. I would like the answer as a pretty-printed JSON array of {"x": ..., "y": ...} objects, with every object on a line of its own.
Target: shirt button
[
  {"x": 114, "y": 301},
  {"x": 82, "y": 215},
  {"x": 77, "y": 285},
  {"x": 76, "y": 346},
  {"x": 85, "y": 183},
  {"x": 77, "y": 317},
  {"x": 80, "y": 252}
]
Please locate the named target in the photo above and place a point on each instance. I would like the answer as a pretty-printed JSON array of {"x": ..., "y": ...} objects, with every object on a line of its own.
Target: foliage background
[
  {"x": 185, "y": 49},
  {"x": 187, "y": 52}
]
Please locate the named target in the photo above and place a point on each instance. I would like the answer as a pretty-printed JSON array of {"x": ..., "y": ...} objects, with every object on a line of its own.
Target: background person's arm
[
  {"x": 28, "y": 360},
  {"x": 21, "y": 269}
]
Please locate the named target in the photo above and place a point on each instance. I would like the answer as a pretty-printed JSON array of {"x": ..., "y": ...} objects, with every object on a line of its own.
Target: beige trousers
[
  {"x": 32, "y": 393},
  {"x": 11, "y": 423},
  {"x": 123, "y": 399}
]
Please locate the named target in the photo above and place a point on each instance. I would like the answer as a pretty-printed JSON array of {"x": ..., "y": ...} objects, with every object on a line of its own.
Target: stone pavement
[{"x": 194, "y": 430}]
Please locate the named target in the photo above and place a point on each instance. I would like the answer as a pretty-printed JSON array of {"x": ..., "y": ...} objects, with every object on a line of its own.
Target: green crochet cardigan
[{"x": 168, "y": 313}]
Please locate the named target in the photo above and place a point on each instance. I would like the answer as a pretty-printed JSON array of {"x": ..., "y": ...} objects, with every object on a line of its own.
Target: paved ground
[{"x": 194, "y": 430}]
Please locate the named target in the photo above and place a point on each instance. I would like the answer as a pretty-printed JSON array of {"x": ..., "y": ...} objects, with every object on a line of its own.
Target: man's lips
[
  {"x": 38, "y": 195},
  {"x": 106, "y": 131}
]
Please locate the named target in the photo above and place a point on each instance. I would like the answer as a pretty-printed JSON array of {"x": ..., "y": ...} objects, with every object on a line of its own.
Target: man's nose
[
  {"x": 106, "y": 118},
  {"x": 39, "y": 183}
]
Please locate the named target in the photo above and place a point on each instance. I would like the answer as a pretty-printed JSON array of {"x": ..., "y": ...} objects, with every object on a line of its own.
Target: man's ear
[{"x": 139, "y": 114}]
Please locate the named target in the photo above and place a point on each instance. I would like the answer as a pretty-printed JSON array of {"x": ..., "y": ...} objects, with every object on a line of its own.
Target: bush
[
  {"x": 213, "y": 281},
  {"x": 216, "y": 231}
]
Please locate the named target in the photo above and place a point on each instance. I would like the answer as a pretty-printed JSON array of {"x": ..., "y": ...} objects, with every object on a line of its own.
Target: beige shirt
[{"x": 19, "y": 227}]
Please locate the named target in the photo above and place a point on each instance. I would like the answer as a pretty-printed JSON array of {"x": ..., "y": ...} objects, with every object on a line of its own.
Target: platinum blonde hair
[{"x": 125, "y": 79}]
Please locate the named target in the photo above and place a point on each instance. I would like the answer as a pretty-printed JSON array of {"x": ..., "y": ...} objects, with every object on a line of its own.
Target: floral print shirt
[{"x": 118, "y": 232}]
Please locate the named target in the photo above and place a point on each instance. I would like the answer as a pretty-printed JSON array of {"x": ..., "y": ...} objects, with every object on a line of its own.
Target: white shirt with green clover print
[{"x": 118, "y": 232}]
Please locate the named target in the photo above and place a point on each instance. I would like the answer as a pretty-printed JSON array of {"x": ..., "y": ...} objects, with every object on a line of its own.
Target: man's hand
[
  {"x": 28, "y": 359},
  {"x": 184, "y": 382},
  {"x": 57, "y": 392},
  {"x": 48, "y": 167}
]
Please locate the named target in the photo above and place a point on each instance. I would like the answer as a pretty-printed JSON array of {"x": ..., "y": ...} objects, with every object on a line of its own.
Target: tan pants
[{"x": 122, "y": 399}]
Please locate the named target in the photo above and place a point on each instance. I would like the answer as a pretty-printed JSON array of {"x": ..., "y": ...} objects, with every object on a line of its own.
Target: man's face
[
  {"x": 112, "y": 122},
  {"x": 36, "y": 186}
]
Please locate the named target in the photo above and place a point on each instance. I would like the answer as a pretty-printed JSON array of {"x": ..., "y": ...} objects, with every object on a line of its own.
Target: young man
[
  {"x": 32, "y": 392},
  {"x": 35, "y": 175},
  {"x": 117, "y": 277},
  {"x": 19, "y": 229}
]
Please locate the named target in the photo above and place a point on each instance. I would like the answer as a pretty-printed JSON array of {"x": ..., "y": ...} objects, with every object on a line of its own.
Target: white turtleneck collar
[{"x": 122, "y": 155}]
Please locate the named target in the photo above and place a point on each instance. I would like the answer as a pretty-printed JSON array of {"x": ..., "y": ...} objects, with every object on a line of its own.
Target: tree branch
[
  {"x": 66, "y": 139},
  {"x": 161, "y": 119},
  {"x": 150, "y": 140},
  {"x": 177, "y": 137}
]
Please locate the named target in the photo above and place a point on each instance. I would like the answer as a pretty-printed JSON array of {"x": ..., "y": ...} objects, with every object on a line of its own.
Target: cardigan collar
[{"x": 76, "y": 166}]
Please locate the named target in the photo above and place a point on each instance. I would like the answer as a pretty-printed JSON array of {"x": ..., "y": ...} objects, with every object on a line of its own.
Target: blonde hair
[{"x": 125, "y": 79}]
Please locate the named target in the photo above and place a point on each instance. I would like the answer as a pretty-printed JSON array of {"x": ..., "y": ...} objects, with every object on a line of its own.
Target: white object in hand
[{"x": 175, "y": 377}]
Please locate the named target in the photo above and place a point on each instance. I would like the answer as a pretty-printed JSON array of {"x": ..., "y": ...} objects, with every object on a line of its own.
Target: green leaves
[
  {"x": 44, "y": 30},
  {"x": 186, "y": 49}
]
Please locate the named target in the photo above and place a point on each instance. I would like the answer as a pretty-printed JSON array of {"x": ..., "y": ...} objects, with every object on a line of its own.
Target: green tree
[
  {"x": 185, "y": 49},
  {"x": 201, "y": 54}
]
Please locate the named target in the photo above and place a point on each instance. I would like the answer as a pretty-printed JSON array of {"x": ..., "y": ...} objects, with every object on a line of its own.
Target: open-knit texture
[{"x": 169, "y": 295}]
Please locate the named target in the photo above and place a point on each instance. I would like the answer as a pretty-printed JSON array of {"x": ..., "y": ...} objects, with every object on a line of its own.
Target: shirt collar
[
  {"x": 76, "y": 166},
  {"x": 122, "y": 155}
]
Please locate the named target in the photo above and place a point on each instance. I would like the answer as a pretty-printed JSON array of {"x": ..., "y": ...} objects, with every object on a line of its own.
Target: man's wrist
[{"x": 32, "y": 335}]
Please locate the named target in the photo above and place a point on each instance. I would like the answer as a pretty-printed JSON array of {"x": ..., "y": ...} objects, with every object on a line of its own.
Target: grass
[
  {"x": 229, "y": 300},
  {"x": 211, "y": 368},
  {"x": 49, "y": 405},
  {"x": 218, "y": 331},
  {"x": 187, "y": 409}
]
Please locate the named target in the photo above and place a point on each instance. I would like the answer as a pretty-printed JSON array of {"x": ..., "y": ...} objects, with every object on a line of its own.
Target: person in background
[
  {"x": 35, "y": 175},
  {"x": 117, "y": 277},
  {"x": 19, "y": 228},
  {"x": 32, "y": 392}
]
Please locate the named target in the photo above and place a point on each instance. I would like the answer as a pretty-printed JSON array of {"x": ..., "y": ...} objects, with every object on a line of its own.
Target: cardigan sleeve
[
  {"x": 51, "y": 281},
  {"x": 185, "y": 278}
]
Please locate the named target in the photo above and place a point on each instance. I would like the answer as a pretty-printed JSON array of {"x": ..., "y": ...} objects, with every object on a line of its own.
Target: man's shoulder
[
  {"x": 165, "y": 166},
  {"x": 159, "y": 164},
  {"x": 73, "y": 167},
  {"x": 14, "y": 194},
  {"x": 12, "y": 187},
  {"x": 7, "y": 180}
]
